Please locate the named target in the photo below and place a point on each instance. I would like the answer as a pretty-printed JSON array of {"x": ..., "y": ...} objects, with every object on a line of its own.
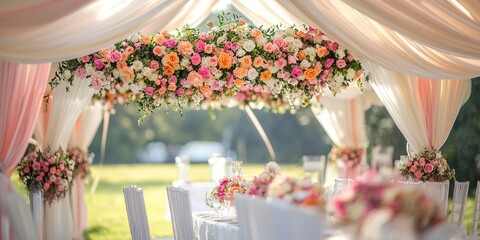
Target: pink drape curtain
[{"x": 21, "y": 91}]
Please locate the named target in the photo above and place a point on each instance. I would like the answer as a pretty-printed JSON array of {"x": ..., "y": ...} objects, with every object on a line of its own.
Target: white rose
[
  {"x": 339, "y": 79},
  {"x": 146, "y": 71},
  {"x": 261, "y": 41},
  {"x": 185, "y": 62},
  {"x": 153, "y": 76},
  {"x": 252, "y": 74},
  {"x": 273, "y": 69},
  {"x": 289, "y": 39},
  {"x": 221, "y": 39},
  {"x": 164, "y": 61},
  {"x": 67, "y": 74},
  {"x": 297, "y": 43},
  {"x": 271, "y": 82},
  {"x": 240, "y": 52},
  {"x": 289, "y": 31},
  {"x": 305, "y": 64},
  {"x": 218, "y": 74},
  {"x": 350, "y": 73},
  {"x": 249, "y": 45},
  {"x": 205, "y": 62},
  {"x": 215, "y": 29},
  {"x": 135, "y": 88},
  {"x": 116, "y": 73},
  {"x": 137, "y": 65},
  {"x": 341, "y": 53},
  {"x": 309, "y": 51}
]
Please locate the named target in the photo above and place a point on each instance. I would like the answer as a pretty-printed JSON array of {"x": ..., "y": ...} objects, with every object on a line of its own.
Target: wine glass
[
  {"x": 237, "y": 167},
  {"x": 312, "y": 164}
]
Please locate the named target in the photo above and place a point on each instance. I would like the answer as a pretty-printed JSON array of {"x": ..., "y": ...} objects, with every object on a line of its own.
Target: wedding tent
[{"x": 420, "y": 55}]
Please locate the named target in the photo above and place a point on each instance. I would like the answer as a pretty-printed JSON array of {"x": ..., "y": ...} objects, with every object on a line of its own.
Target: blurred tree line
[{"x": 292, "y": 135}]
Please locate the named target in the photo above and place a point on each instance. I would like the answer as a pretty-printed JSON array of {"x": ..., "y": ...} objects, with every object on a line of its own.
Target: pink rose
[
  {"x": 61, "y": 188},
  {"x": 341, "y": 63},
  {"x": 180, "y": 91},
  {"x": 46, "y": 186},
  {"x": 409, "y": 164},
  {"x": 81, "y": 73},
  {"x": 428, "y": 168},
  {"x": 203, "y": 36},
  {"x": 170, "y": 43},
  {"x": 96, "y": 83},
  {"x": 154, "y": 65},
  {"x": 98, "y": 63},
  {"x": 36, "y": 166},
  {"x": 115, "y": 56},
  {"x": 297, "y": 72},
  {"x": 213, "y": 61},
  {"x": 38, "y": 178},
  {"x": 196, "y": 59},
  {"x": 26, "y": 170},
  {"x": 349, "y": 58},
  {"x": 203, "y": 71},
  {"x": 292, "y": 59},
  {"x": 269, "y": 47},
  {"x": 281, "y": 63},
  {"x": 53, "y": 170},
  {"x": 86, "y": 58},
  {"x": 208, "y": 48},
  {"x": 257, "y": 88},
  {"x": 279, "y": 42},
  {"x": 149, "y": 91},
  {"x": 418, "y": 174},
  {"x": 329, "y": 62},
  {"x": 413, "y": 168},
  {"x": 200, "y": 45},
  {"x": 228, "y": 45},
  {"x": 234, "y": 46}
]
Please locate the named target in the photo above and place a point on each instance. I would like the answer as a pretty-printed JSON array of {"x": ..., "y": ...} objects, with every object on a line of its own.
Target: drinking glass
[
  {"x": 314, "y": 164},
  {"x": 237, "y": 168},
  {"x": 182, "y": 163}
]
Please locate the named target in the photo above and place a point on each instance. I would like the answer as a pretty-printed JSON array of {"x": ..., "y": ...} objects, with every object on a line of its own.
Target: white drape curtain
[
  {"x": 266, "y": 13},
  {"x": 374, "y": 42},
  {"x": 51, "y": 31},
  {"x": 344, "y": 119},
  {"x": 82, "y": 135},
  {"x": 64, "y": 111},
  {"x": 423, "y": 109},
  {"x": 450, "y": 26}
]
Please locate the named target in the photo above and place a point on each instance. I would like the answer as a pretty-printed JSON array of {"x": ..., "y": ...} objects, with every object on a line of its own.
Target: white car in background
[
  {"x": 201, "y": 151},
  {"x": 154, "y": 152}
]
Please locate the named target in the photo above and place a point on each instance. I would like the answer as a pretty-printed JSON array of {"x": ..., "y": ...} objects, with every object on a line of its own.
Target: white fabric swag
[
  {"x": 423, "y": 109},
  {"x": 374, "y": 42},
  {"x": 82, "y": 135},
  {"x": 66, "y": 106}
]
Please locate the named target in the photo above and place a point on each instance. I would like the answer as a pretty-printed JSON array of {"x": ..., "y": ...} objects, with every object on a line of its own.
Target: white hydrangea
[
  {"x": 350, "y": 73},
  {"x": 248, "y": 45},
  {"x": 67, "y": 74}
]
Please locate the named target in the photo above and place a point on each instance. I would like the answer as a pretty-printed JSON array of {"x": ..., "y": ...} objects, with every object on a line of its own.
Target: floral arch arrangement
[{"x": 187, "y": 68}]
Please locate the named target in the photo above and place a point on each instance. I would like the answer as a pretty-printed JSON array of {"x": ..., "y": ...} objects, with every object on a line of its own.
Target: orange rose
[
  {"x": 224, "y": 61},
  {"x": 256, "y": 33},
  {"x": 145, "y": 39},
  {"x": 121, "y": 65},
  {"x": 240, "y": 72},
  {"x": 129, "y": 75},
  {"x": 172, "y": 86},
  {"x": 206, "y": 91},
  {"x": 168, "y": 70},
  {"x": 195, "y": 79},
  {"x": 358, "y": 74},
  {"x": 238, "y": 82},
  {"x": 266, "y": 75},
  {"x": 301, "y": 34},
  {"x": 241, "y": 21},
  {"x": 322, "y": 52},
  {"x": 301, "y": 55},
  {"x": 246, "y": 61},
  {"x": 172, "y": 58},
  {"x": 166, "y": 34},
  {"x": 258, "y": 61},
  {"x": 310, "y": 74}
]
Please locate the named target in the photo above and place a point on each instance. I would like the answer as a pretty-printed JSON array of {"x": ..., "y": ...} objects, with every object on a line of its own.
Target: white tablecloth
[
  {"x": 209, "y": 225},
  {"x": 197, "y": 191}
]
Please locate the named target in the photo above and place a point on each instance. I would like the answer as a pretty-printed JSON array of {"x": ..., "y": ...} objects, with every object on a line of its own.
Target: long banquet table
[{"x": 211, "y": 225}]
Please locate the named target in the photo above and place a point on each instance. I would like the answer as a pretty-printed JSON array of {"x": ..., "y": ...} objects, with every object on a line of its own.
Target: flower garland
[
  {"x": 428, "y": 165},
  {"x": 223, "y": 193},
  {"x": 189, "y": 67},
  {"x": 50, "y": 172},
  {"x": 360, "y": 203},
  {"x": 260, "y": 183},
  {"x": 350, "y": 157},
  {"x": 82, "y": 166},
  {"x": 299, "y": 192}
]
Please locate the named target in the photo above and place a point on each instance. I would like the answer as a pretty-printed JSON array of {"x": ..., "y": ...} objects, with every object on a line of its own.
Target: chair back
[
  {"x": 241, "y": 201},
  {"x": 439, "y": 192},
  {"x": 382, "y": 157},
  {"x": 137, "y": 215},
  {"x": 460, "y": 192},
  {"x": 308, "y": 224},
  {"x": 340, "y": 184},
  {"x": 261, "y": 224},
  {"x": 476, "y": 213},
  {"x": 181, "y": 213}
]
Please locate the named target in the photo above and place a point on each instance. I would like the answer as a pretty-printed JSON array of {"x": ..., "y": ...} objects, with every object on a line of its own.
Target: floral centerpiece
[
  {"x": 348, "y": 159},
  {"x": 82, "y": 166},
  {"x": 50, "y": 172},
  {"x": 374, "y": 207},
  {"x": 223, "y": 193},
  {"x": 297, "y": 191},
  {"x": 429, "y": 165},
  {"x": 259, "y": 185},
  {"x": 188, "y": 67}
]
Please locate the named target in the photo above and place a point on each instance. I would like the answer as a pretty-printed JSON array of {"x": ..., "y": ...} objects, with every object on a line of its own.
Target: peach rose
[
  {"x": 224, "y": 60},
  {"x": 258, "y": 61},
  {"x": 266, "y": 75},
  {"x": 246, "y": 61},
  {"x": 172, "y": 58},
  {"x": 145, "y": 39},
  {"x": 322, "y": 52},
  {"x": 256, "y": 33},
  {"x": 162, "y": 90},
  {"x": 301, "y": 55},
  {"x": 157, "y": 50},
  {"x": 358, "y": 74},
  {"x": 206, "y": 91},
  {"x": 172, "y": 86},
  {"x": 195, "y": 79},
  {"x": 129, "y": 75},
  {"x": 310, "y": 74},
  {"x": 121, "y": 65},
  {"x": 159, "y": 39},
  {"x": 240, "y": 72},
  {"x": 185, "y": 47},
  {"x": 168, "y": 70},
  {"x": 208, "y": 48},
  {"x": 238, "y": 82}
]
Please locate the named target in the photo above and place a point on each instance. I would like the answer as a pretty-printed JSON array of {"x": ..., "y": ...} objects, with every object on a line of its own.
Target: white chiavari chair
[
  {"x": 340, "y": 185},
  {"x": 181, "y": 213},
  {"x": 439, "y": 192},
  {"x": 476, "y": 215},
  {"x": 460, "y": 192}
]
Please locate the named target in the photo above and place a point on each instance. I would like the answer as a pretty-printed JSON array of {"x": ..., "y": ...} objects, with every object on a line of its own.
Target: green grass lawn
[{"x": 106, "y": 208}]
